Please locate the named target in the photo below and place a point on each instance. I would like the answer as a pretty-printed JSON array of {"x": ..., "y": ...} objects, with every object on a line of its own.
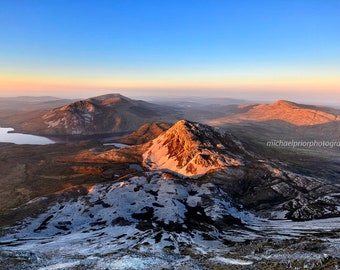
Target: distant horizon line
[{"x": 154, "y": 97}]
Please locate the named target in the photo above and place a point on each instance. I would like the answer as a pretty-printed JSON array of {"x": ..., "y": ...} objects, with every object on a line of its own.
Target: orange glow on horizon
[{"x": 10, "y": 84}]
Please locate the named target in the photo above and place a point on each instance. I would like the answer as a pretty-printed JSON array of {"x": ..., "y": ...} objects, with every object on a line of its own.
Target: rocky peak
[{"x": 193, "y": 149}]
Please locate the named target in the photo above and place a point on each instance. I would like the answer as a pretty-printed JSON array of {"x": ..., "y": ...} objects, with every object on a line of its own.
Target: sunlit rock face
[{"x": 193, "y": 149}]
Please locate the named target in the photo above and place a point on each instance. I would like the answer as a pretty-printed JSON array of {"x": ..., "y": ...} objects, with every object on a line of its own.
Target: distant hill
[
  {"x": 98, "y": 115},
  {"x": 290, "y": 112},
  {"x": 27, "y": 103}
]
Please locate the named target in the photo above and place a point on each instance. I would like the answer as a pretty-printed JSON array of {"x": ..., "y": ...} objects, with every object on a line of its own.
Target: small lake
[
  {"x": 19, "y": 138},
  {"x": 118, "y": 145}
]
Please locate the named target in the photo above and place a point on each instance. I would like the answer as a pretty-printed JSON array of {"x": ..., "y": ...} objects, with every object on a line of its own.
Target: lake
[
  {"x": 19, "y": 138},
  {"x": 118, "y": 145}
]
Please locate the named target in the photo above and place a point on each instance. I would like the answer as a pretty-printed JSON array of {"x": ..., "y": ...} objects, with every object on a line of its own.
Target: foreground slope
[{"x": 157, "y": 221}]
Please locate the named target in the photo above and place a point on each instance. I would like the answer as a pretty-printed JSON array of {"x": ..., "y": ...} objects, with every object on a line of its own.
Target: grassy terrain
[{"x": 31, "y": 171}]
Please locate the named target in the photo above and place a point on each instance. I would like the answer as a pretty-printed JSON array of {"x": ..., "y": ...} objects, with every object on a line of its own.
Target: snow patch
[
  {"x": 231, "y": 261},
  {"x": 129, "y": 262}
]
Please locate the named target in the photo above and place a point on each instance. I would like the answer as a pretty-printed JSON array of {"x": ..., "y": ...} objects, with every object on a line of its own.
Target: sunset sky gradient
[{"x": 84, "y": 48}]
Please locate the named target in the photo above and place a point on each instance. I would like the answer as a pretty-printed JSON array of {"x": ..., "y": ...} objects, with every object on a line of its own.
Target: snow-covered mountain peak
[{"x": 193, "y": 149}]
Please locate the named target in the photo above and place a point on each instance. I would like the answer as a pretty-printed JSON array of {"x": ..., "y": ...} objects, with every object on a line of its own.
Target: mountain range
[
  {"x": 197, "y": 151},
  {"x": 113, "y": 115},
  {"x": 197, "y": 194},
  {"x": 177, "y": 195}
]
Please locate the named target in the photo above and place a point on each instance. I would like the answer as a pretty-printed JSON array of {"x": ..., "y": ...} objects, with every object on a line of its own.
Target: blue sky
[{"x": 61, "y": 47}]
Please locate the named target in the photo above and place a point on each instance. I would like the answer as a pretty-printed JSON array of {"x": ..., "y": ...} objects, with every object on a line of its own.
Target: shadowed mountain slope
[{"x": 105, "y": 114}]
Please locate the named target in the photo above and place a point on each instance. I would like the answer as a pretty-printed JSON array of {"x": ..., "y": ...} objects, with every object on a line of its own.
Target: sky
[{"x": 81, "y": 48}]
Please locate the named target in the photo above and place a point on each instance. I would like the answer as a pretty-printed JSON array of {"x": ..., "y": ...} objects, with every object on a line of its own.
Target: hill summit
[
  {"x": 193, "y": 149},
  {"x": 282, "y": 110}
]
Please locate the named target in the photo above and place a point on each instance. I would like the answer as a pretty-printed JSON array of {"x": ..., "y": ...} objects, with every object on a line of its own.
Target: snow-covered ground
[{"x": 152, "y": 222}]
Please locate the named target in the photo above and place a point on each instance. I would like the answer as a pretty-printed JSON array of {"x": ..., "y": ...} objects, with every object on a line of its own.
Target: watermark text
[{"x": 305, "y": 144}]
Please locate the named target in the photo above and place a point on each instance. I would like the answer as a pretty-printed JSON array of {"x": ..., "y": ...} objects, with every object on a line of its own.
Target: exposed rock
[{"x": 193, "y": 149}]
